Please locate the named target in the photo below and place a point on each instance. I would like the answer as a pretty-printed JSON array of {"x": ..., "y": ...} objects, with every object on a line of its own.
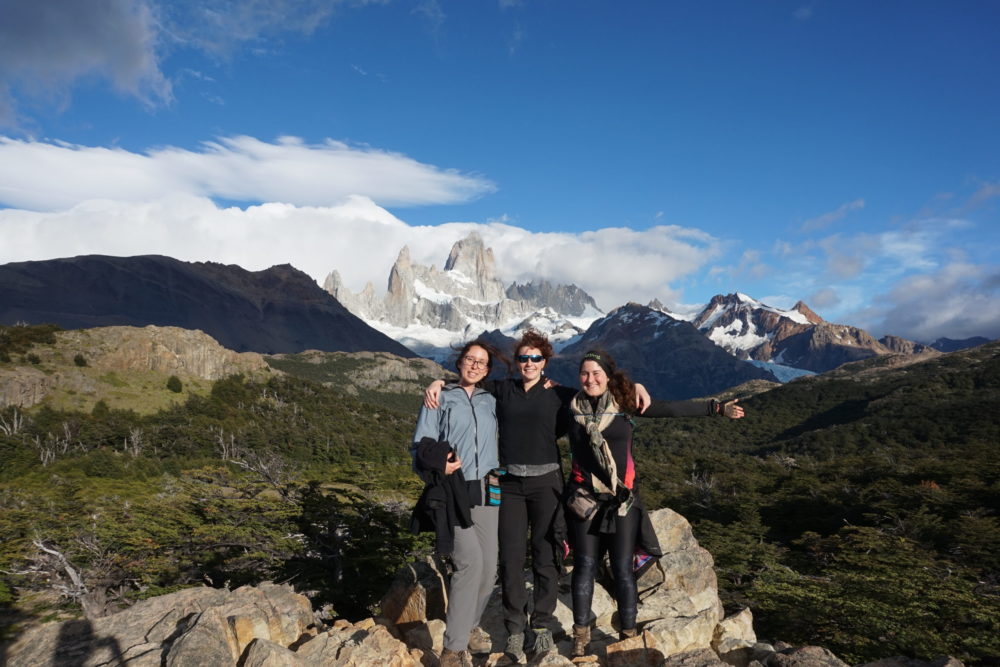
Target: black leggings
[{"x": 588, "y": 546}]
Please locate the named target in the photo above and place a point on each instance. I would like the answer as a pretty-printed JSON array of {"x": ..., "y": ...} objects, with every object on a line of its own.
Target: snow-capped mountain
[
  {"x": 790, "y": 339},
  {"x": 428, "y": 309},
  {"x": 668, "y": 355}
]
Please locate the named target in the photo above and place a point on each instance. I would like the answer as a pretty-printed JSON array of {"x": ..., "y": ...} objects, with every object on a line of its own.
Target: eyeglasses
[
  {"x": 525, "y": 358},
  {"x": 472, "y": 362}
]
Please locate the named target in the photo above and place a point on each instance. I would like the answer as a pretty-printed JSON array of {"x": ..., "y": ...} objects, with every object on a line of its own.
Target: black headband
[{"x": 599, "y": 360}]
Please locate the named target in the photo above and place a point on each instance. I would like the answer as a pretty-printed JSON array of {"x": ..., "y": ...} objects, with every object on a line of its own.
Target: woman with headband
[{"x": 603, "y": 508}]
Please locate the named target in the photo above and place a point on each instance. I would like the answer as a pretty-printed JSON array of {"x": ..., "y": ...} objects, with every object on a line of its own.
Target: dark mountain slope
[
  {"x": 671, "y": 357},
  {"x": 276, "y": 310}
]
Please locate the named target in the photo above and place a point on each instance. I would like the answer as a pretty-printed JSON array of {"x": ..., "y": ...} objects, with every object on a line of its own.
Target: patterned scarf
[{"x": 595, "y": 420}]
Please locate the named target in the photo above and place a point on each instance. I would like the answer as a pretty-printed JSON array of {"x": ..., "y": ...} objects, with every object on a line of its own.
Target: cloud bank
[
  {"x": 46, "y": 176},
  {"x": 356, "y": 237}
]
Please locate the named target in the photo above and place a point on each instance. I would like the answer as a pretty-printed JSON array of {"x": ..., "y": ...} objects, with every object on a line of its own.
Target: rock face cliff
[
  {"x": 429, "y": 309},
  {"x": 276, "y": 310},
  {"x": 159, "y": 350}
]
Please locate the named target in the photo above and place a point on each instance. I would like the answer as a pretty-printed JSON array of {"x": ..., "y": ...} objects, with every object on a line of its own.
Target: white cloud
[
  {"x": 960, "y": 300},
  {"x": 359, "y": 239},
  {"x": 46, "y": 46},
  {"x": 825, "y": 297},
  {"x": 220, "y": 26},
  {"x": 54, "y": 176},
  {"x": 827, "y": 219}
]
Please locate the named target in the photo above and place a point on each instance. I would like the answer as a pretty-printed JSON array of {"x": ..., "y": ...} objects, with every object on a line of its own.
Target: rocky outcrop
[
  {"x": 164, "y": 350},
  {"x": 357, "y": 371},
  {"x": 197, "y": 626},
  {"x": 679, "y": 613},
  {"x": 681, "y": 625},
  {"x": 184, "y": 352}
]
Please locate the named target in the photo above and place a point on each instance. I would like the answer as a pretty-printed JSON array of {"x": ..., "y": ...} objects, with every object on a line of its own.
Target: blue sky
[{"x": 842, "y": 153}]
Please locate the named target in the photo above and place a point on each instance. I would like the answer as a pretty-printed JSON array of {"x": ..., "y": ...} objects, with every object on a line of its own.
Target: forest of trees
[{"x": 858, "y": 512}]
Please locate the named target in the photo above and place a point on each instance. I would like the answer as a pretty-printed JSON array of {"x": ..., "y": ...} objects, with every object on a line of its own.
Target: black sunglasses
[{"x": 524, "y": 358}]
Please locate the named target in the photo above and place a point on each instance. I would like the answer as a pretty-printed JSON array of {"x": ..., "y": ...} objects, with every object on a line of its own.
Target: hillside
[
  {"x": 125, "y": 367},
  {"x": 377, "y": 377},
  {"x": 857, "y": 510},
  {"x": 276, "y": 310}
]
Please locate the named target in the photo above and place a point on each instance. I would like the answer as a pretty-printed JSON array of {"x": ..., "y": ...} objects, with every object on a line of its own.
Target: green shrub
[
  {"x": 174, "y": 384},
  {"x": 80, "y": 360}
]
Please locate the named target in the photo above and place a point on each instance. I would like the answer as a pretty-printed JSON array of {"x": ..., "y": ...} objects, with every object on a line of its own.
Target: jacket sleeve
[
  {"x": 678, "y": 409},
  {"x": 428, "y": 426}
]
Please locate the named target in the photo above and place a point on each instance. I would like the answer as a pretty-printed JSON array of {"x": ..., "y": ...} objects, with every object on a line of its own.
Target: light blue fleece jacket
[{"x": 468, "y": 423}]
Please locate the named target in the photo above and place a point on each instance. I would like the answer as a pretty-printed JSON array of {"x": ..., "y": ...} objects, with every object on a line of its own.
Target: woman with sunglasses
[
  {"x": 604, "y": 478},
  {"x": 532, "y": 416},
  {"x": 466, "y": 420}
]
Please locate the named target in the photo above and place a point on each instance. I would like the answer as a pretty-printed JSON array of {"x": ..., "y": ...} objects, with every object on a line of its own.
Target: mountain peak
[
  {"x": 435, "y": 308},
  {"x": 801, "y": 307}
]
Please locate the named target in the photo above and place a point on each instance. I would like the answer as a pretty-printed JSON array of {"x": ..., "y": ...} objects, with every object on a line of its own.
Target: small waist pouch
[
  {"x": 493, "y": 486},
  {"x": 581, "y": 502}
]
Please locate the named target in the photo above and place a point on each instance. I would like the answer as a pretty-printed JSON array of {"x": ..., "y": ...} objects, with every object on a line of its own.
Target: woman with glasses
[
  {"x": 466, "y": 420},
  {"x": 603, "y": 478},
  {"x": 531, "y": 418}
]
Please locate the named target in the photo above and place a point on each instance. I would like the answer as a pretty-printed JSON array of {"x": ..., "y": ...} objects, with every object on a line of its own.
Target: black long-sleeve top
[
  {"x": 618, "y": 435},
  {"x": 530, "y": 421}
]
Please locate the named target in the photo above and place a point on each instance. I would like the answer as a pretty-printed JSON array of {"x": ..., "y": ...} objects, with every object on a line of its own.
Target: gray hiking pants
[{"x": 475, "y": 559}]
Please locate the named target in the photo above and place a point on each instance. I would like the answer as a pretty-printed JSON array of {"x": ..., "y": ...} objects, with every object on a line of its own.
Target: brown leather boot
[
  {"x": 581, "y": 640},
  {"x": 627, "y": 633},
  {"x": 451, "y": 658}
]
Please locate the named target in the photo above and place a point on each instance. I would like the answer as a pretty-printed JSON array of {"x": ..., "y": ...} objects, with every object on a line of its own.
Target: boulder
[
  {"x": 418, "y": 593},
  {"x": 355, "y": 647},
  {"x": 734, "y": 639},
  {"x": 638, "y": 651},
  {"x": 186, "y": 627}
]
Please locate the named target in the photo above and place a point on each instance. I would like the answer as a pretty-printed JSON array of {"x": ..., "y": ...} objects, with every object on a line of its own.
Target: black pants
[
  {"x": 529, "y": 504},
  {"x": 588, "y": 546}
]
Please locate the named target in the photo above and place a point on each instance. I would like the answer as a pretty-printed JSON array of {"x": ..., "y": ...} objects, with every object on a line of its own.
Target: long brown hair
[
  {"x": 619, "y": 383},
  {"x": 492, "y": 353}
]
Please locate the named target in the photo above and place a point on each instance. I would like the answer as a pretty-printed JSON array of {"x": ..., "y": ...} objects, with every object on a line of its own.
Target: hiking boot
[
  {"x": 515, "y": 647},
  {"x": 544, "y": 643},
  {"x": 451, "y": 658},
  {"x": 627, "y": 633},
  {"x": 480, "y": 641},
  {"x": 581, "y": 640}
]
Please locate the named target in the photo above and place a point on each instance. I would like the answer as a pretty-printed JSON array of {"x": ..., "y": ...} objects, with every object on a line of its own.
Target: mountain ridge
[{"x": 279, "y": 309}]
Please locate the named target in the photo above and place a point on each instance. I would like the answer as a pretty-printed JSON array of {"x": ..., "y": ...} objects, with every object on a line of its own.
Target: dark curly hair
[
  {"x": 533, "y": 338},
  {"x": 619, "y": 383}
]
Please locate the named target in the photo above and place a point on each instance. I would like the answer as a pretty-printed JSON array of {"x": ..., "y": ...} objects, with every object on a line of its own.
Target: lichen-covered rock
[
  {"x": 417, "y": 594},
  {"x": 635, "y": 652},
  {"x": 806, "y": 656},
  {"x": 182, "y": 628},
  {"x": 734, "y": 639},
  {"x": 355, "y": 647}
]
